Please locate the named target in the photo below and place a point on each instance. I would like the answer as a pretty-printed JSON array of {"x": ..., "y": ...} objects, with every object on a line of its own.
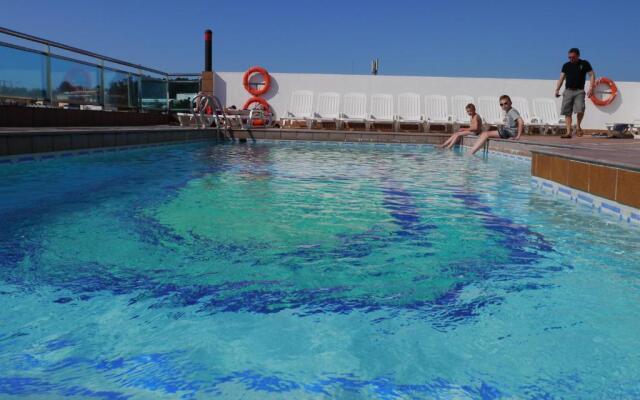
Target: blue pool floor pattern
[{"x": 514, "y": 268}]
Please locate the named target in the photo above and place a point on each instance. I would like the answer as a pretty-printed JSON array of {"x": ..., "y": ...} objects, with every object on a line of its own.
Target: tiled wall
[
  {"x": 27, "y": 143},
  {"x": 602, "y": 205},
  {"x": 344, "y": 136},
  {"x": 516, "y": 148},
  {"x": 620, "y": 185}
]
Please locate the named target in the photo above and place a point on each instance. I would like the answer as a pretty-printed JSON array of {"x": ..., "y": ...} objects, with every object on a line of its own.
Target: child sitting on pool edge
[
  {"x": 512, "y": 129},
  {"x": 475, "y": 127}
]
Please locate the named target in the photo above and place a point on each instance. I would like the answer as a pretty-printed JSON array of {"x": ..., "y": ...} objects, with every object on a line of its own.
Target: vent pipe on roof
[
  {"x": 375, "y": 64},
  {"x": 208, "y": 38}
]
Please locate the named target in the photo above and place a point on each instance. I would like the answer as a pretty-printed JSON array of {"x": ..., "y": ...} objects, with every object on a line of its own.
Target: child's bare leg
[
  {"x": 446, "y": 143},
  {"x": 454, "y": 140},
  {"x": 459, "y": 136},
  {"x": 484, "y": 136}
]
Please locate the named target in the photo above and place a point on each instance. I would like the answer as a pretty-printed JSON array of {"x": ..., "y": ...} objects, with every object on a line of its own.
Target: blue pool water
[{"x": 308, "y": 271}]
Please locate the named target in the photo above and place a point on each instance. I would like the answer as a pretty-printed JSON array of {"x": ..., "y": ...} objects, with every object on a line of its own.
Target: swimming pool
[{"x": 308, "y": 271}]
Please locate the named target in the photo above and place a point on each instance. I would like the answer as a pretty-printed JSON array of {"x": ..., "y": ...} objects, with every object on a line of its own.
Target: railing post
[
  {"x": 139, "y": 99},
  {"x": 167, "y": 99},
  {"x": 48, "y": 76},
  {"x": 101, "y": 99},
  {"x": 129, "y": 90}
]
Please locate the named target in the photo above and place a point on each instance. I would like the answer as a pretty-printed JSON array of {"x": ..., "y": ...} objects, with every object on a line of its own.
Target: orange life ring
[
  {"x": 265, "y": 76},
  {"x": 608, "y": 100},
  {"x": 265, "y": 106}
]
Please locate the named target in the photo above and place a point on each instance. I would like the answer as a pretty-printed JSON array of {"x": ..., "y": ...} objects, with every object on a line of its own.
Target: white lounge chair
[
  {"x": 300, "y": 108},
  {"x": 522, "y": 105},
  {"x": 354, "y": 109},
  {"x": 195, "y": 119},
  {"x": 382, "y": 110},
  {"x": 409, "y": 110},
  {"x": 490, "y": 111},
  {"x": 546, "y": 111},
  {"x": 327, "y": 108},
  {"x": 436, "y": 111},
  {"x": 459, "y": 111}
]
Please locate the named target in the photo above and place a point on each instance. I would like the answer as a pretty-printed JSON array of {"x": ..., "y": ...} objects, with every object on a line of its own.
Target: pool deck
[{"x": 602, "y": 167}]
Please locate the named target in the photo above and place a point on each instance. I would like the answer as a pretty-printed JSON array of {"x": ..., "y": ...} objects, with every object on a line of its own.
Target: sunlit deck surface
[{"x": 622, "y": 153}]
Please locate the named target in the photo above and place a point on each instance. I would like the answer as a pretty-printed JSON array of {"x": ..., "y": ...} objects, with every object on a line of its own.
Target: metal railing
[{"x": 32, "y": 76}]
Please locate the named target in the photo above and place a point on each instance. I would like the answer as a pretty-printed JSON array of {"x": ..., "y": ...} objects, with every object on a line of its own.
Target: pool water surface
[{"x": 308, "y": 271}]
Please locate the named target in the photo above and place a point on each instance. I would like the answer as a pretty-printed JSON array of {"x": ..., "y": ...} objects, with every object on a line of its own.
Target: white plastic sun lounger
[
  {"x": 522, "y": 105},
  {"x": 201, "y": 121},
  {"x": 327, "y": 108},
  {"x": 490, "y": 111},
  {"x": 436, "y": 111},
  {"x": 546, "y": 111},
  {"x": 300, "y": 108},
  {"x": 382, "y": 110},
  {"x": 409, "y": 110},
  {"x": 459, "y": 111},
  {"x": 354, "y": 109}
]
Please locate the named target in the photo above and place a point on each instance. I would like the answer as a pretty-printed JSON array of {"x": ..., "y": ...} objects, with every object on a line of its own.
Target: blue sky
[{"x": 437, "y": 38}]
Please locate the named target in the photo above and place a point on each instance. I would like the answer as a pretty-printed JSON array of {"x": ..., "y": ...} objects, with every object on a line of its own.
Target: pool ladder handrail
[{"x": 203, "y": 101}]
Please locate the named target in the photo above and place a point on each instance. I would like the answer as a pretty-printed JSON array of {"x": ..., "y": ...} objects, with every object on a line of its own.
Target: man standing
[{"x": 575, "y": 73}]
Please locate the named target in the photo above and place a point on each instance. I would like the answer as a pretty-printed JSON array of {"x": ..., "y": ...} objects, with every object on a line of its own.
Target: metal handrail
[
  {"x": 79, "y": 51},
  {"x": 202, "y": 101},
  {"x": 185, "y": 74}
]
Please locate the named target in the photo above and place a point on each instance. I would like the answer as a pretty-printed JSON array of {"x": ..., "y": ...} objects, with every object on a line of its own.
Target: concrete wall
[{"x": 229, "y": 88}]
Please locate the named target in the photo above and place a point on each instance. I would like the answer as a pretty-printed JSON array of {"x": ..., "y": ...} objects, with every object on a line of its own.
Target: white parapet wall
[{"x": 229, "y": 88}]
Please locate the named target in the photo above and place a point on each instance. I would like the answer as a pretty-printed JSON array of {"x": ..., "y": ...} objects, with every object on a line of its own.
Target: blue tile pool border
[{"x": 603, "y": 206}]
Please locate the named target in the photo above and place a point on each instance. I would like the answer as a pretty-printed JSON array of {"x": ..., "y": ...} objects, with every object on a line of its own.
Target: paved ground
[{"x": 624, "y": 153}]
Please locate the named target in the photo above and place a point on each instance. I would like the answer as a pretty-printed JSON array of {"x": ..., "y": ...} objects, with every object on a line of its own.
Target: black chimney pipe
[{"x": 208, "y": 37}]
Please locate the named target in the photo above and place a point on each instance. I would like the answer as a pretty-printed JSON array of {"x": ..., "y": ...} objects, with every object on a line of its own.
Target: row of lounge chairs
[{"x": 411, "y": 109}]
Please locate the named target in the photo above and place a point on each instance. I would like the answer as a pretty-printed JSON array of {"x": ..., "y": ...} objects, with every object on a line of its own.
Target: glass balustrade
[
  {"x": 153, "y": 93},
  {"x": 29, "y": 76},
  {"x": 182, "y": 90},
  {"x": 74, "y": 83},
  {"x": 22, "y": 74},
  {"x": 116, "y": 90}
]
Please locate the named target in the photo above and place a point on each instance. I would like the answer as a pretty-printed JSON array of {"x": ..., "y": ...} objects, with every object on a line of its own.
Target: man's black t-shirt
[{"x": 576, "y": 74}]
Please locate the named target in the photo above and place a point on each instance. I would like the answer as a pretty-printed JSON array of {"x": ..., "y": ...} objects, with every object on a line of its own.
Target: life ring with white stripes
[
  {"x": 265, "y": 107},
  {"x": 612, "y": 95},
  {"x": 254, "y": 90}
]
